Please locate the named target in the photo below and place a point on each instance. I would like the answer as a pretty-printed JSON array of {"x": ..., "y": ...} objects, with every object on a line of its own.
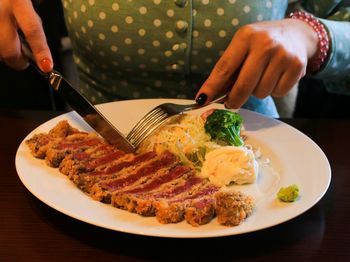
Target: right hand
[
  {"x": 20, "y": 14},
  {"x": 263, "y": 58}
]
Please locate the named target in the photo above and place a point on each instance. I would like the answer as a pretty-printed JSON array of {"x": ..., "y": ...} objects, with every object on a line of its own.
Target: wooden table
[{"x": 32, "y": 231}]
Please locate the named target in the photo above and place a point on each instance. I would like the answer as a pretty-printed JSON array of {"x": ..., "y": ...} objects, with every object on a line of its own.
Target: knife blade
[
  {"x": 80, "y": 104},
  {"x": 89, "y": 112}
]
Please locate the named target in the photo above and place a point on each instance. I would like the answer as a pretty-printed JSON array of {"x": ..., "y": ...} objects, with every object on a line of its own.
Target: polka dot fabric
[
  {"x": 128, "y": 49},
  {"x": 215, "y": 23}
]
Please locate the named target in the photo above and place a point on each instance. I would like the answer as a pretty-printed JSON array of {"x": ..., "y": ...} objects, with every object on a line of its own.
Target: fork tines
[{"x": 147, "y": 125}]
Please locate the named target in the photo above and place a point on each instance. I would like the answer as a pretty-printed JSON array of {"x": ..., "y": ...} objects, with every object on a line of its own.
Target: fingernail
[
  {"x": 46, "y": 65},
  {"x": 201, "y": 99}
]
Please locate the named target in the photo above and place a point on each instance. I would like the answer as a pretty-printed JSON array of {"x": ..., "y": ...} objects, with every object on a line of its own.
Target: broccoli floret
[
  {"x": 224, "y": 125},
  {"x": 288, "y": 194}
]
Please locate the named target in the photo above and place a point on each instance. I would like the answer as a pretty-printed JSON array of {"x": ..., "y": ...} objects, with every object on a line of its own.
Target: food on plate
[
  {"x": 288, "y": 194},
  {"x": 149, "y": 183},
  {"x": 211, "y": 143},
  {"x": 224, "y": 127},
  {"x": 233, "y": 207},
  {"x": 229, "y": 164},
  {"x": 184, "y": 136},
  {"x": 40, "y": 143}
]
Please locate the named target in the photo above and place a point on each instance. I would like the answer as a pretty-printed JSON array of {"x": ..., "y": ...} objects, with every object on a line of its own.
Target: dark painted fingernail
[{"x": 201, "y": 99}]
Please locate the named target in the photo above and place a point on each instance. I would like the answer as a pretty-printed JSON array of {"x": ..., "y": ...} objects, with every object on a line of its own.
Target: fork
[{"x": 154, "y": 118}]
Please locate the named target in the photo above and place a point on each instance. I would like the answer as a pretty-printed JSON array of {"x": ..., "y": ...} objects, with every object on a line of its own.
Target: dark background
[{"x": 28, "y": 90}]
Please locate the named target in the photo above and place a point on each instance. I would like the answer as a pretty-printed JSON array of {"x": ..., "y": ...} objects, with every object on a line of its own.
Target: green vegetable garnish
[
  {"x": 224, "y": 125},
  {"x": 288, "y": 194}
]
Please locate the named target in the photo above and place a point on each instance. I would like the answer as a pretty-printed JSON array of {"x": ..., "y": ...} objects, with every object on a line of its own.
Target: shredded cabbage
[{"x": 184, "y": 137}]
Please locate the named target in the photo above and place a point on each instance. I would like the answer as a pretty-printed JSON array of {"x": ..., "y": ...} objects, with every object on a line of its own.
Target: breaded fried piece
[
  {"x": 73, "y": 143},
  {"x": 233, "y": 207},
  {"x": 200, "y": 212},
  {"x": 40, "y": 143}
]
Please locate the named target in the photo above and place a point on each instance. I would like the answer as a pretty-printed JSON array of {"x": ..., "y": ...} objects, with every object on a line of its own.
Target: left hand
[
  {"x": 20, "y": 14},
  {"x": 266, "y": 58}
]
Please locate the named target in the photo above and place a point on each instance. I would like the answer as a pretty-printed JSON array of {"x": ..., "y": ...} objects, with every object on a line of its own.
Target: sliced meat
[
  {"x": 174, "y": 210},
  {"x": 40, "y": 143},
  {"x": 74, "y": 143},
  {"x": 103, "y": 190},
  {"x": 139, "y": 199},
  {"x": 87, "y": 161},
  {"x": 149, "y": 184},
  {"x": 117, "y": 168}
]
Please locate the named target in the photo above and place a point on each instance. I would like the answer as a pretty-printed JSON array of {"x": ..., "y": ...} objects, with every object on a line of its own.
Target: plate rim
[{"x": 209, "y": 234}]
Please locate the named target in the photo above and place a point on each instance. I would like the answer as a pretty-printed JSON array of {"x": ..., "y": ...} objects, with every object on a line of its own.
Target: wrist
[{"x": 317, "y": 58}]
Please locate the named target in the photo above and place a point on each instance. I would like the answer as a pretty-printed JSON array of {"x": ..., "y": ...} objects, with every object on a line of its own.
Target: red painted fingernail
[{"x": 46, "y": 65}]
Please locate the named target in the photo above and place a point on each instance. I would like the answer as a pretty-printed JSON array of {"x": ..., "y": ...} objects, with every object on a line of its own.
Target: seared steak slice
[
  {"x": 139, "y": 198},
  {"x": 116, "y": 168},
  {"x": 40, "y": 143},
  {"x": 78, "y": 162},
  {"x": 103, "y": 190},
  {"x": 169, "y": 200},
  {"x": 74, "y": 143},
  {"x": 174, "y": 210},
  {"x": 83, "y": 162},
  {"x": 201, "y": 211}
]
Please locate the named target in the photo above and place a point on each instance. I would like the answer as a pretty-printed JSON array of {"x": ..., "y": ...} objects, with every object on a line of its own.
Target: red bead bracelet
[{"x": 323, "y": 40}]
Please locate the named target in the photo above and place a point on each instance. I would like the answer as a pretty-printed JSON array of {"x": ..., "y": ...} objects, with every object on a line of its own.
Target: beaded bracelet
[{"x": 323, "y": 39}]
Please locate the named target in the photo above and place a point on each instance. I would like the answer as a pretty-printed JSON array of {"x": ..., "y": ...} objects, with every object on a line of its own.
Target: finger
[
  {"x": 30, "y": 24},
  {"x": 10, "y": 46},
  {"x": 289, "y": 78},
  {"x": 248, "y": 79},
  {"x": 222, "y": 75},
  {"x": 270, "y": 78}
]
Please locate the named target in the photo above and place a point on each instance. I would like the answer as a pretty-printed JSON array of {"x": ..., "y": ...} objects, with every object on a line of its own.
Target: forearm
[
  {"x": 335, "y": 15},
  {"x": 338, "y": 62}
]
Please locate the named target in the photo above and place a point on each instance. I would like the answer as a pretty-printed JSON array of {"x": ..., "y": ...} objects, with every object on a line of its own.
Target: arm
[
  {"x": 20, "y": 14},
  {"x": 267, "y": 58},
  {"x": 335, "y": 15}
]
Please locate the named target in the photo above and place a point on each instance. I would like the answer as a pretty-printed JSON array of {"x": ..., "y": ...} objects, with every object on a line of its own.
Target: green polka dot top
[{"x": 129, "y": 49}]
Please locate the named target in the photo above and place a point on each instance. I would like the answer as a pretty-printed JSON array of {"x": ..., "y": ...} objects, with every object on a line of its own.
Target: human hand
[
  {"x": 20, "y": 14},
  {"x": 266, "y": 58}
]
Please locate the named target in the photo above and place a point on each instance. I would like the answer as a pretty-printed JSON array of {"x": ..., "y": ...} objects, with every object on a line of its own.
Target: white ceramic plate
[{"x": 294, "y": 159}]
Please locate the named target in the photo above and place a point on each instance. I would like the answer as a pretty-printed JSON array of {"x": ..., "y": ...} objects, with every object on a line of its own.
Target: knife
[
  {"x": 89, "y": 112},
  {"x": 81, "y": 105}
]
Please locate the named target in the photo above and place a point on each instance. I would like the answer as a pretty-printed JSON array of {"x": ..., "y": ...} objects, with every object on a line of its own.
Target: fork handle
[{"x": 219, "y": 99}]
